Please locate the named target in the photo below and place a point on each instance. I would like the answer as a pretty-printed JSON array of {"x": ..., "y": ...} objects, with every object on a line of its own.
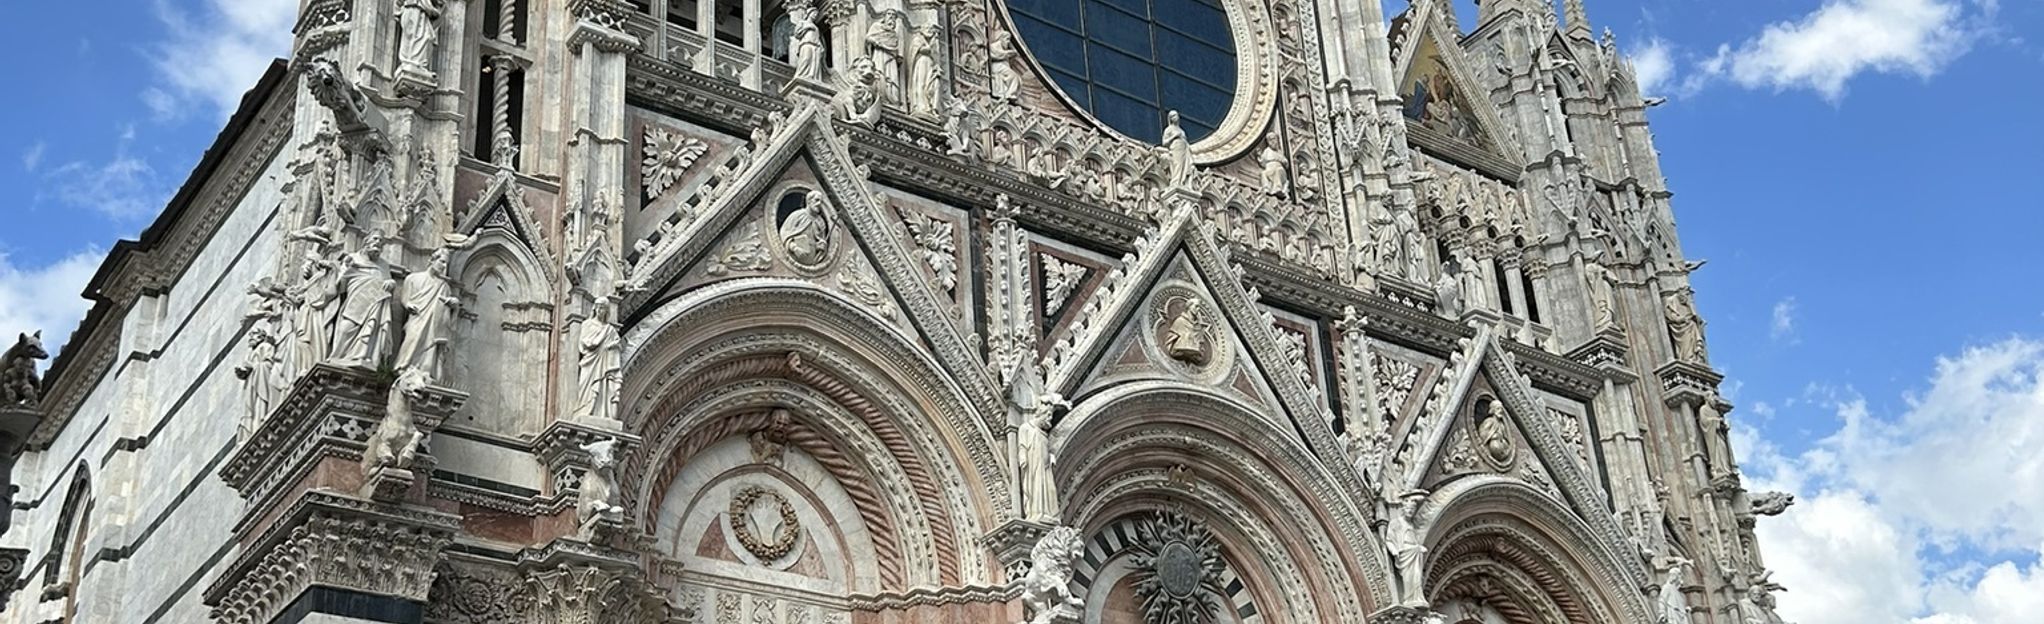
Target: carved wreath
[
  {"x": 1177, "y": 566},
  {"x": 741, "y": 524}
]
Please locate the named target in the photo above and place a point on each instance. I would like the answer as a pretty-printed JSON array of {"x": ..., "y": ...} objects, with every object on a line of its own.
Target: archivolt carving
[
  {"x": 667, "y": 332},
  {"x": 1261, "y": 459},
  {"x": 1508, "y": 520},
  {"x": 1279, "y": 574}
]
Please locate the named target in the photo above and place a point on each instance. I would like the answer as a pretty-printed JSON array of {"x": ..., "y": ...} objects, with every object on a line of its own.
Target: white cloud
[
  {"x": 33, "y": 156},
  {"x": 1926, "y": 514},
  {"x": 213, "y": 55},
  {"x": 1825, "y": 49},
  {"x": 1783, "y": 325},
  {"x": 124, "y": 186},
  {"x": 45, "y": 297},
  {"x": 1653, "y": 65}
]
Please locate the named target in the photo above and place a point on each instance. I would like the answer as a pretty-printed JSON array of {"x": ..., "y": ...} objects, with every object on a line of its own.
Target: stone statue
[
  {"x": 19, "y": 382},
  {"x": 430, "y": 301},
  {"x": 364, "y": 319},
  {"x": 1273, "y": 173},
  {"x": 1387, "y": 249},
  {"x": 397, "y": 439},
  {"x": 808, "y": 53},
  {"x": 1006, "y": 83},
  {"x": 1032, "y": 442},
  {"x": 1685, "y": 328},
  {"x": 313, "y": 299},
  {"x": 1673, "y": 605},
  {"x": 961, "y": 129},
  {"x": 416, "y": 22},
  {"x": 600, "y": 365},
  {"x": 1771, "y": 503},
  {"x": 598, "y": 499},
  {"x": 1047, "y": 588},
  {"x": 883, "y": 44},
  {"x": 925, "y": 81},
  {"x": 1598, "y": 280},
  {"x": 806, "y": 232},
  {"x": 1448, "y": 291},
  {"x": 1410, "y": 247},
  {"x": 1408, "y": 551},
  {"x": 262, "y": 369},
  {"x": 858, "y": 96},
  {"x": 1176, "y": 152},
  {"x": 1497, "y": 445}
]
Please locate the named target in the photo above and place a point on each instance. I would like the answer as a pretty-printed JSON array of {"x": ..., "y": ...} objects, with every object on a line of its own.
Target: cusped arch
[
  {"x": 1168, "y": 445},
  {"x": 846, "y": 387},
  {"x": 1497, "y": 540},
  {"x": 505, "y": 309}
]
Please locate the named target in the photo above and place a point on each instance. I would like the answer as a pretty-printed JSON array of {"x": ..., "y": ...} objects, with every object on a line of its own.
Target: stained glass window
[{"x": 1128, "y": 62}]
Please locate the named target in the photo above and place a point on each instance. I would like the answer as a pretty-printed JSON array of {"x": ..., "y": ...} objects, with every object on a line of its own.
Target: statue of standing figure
[
  {"x": 808, "y": 39},
  {"x": 883, "y": 44},
  {"x": 925, "y": 80},
  {"x": 1032, "y": 441},
  {"x": 1177, "y": 153},
  {"x": 1408, "y": 550},
  {"x": 312, "y": 299},
  {"x": 364, "y": 322},
  {"x": 419, "y": 35},
  {"x": 1685, "y": 328},
  {"x": 430, "y": 302},
  {"x": 1006, "y": 83},
  {"x": 600, "y": 365}
]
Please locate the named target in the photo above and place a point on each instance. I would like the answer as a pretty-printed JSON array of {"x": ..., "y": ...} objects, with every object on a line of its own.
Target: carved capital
[
  {"x": 1404, "y": 615},
  {"x": 1011, "y": 542},
  {"x": 338, "y": 542},
  {"x": 1688, "y": 383}
]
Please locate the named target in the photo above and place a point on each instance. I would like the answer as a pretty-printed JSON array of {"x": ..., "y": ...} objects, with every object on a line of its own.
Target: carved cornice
[
  {"x": 1688, "y": 383},
  {"x": 1607, "y": 352},
  {"x": 1555, "y": 372},
  {"x": 331, "y": 540}
]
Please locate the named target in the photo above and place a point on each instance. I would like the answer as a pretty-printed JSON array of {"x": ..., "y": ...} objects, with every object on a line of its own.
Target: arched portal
[
  {"x": 1502, "y": 552},
  {"x": 797, "y": 449},
  {"x": 1141, "y": 450}
]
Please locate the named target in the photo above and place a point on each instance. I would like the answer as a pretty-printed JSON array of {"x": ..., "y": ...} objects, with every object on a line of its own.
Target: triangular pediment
[
  {"x": 1178, "y": 333},
  {"x": 797, "y": 206},
  {"x": 1483, "y": 382},
  {"x": 1440, "y": 91},
  {"x": 502, "y": 207}
]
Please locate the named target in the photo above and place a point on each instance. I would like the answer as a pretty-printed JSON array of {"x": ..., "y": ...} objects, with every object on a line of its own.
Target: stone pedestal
[
  {"x": 1011, "y": 542},
  {"x": 576, "y": 581}
]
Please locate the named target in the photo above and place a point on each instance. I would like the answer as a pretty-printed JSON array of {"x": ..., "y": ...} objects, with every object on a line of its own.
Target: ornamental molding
[
  {"x": 1250, "y": 462},
  {"x": 332, "y": 540}
]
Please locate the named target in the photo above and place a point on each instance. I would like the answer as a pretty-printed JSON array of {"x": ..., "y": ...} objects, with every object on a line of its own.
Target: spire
[{"x": 1578, "y": 19}]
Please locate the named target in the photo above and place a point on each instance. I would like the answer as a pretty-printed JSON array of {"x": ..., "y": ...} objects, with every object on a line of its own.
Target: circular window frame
[{"x": 1255, "y": 97}]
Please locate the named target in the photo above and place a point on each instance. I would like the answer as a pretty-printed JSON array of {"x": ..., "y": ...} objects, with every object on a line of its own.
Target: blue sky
[{"x": 1860, "y": 173}]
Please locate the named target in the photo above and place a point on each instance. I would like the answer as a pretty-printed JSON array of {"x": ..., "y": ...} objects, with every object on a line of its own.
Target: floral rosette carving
[{"x": 746, "y": 516}]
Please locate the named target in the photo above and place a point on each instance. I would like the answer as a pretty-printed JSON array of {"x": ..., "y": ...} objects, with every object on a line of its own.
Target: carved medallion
[
  {"x": 1177, "y": 570},
  {"x": 764, "y": 523},
  {"x": 1187, "y": 329},
  {"x": 807, "y": 228},
  {"x": 1497, "y": 447}
]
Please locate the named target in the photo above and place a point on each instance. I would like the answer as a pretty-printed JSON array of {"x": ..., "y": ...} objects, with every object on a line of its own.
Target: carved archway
[
  {"x": 1152, "y": 446},
  {"x": 1502, "y": 545},
  {"x": 887, "y": 446}
]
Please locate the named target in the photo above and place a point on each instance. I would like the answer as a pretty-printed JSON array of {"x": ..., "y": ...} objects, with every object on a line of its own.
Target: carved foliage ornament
[
  {"x": 1177, "y": 568},
  {"x": 1060, "y": 278},
  {"x": 756, "y": 511},
  {"x": 667, "y": 156}
]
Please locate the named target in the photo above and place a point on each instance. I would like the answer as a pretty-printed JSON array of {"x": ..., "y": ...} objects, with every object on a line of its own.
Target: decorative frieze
[{"x": 333, "y": 541}]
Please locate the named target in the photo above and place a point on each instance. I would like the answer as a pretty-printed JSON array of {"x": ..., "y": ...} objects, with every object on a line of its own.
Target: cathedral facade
[{"x": 902, "y": 311}]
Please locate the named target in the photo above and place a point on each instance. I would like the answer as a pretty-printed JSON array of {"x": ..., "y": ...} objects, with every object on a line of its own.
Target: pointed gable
[{"x": 1441, "y": 96}]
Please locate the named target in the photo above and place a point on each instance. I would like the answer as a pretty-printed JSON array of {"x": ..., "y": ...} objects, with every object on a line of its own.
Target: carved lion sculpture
[
  {"x": 19, "y": 383},
  {"x": 1046, "y": 590},
  {"x": 397, "y": 439}
]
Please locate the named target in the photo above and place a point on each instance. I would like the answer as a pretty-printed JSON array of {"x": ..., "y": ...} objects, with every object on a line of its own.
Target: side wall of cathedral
[{"x": 866, "y": 311}]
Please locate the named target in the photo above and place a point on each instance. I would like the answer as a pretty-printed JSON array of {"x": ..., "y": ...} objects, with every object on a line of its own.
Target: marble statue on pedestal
[{"x": 430, "y": 302}]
